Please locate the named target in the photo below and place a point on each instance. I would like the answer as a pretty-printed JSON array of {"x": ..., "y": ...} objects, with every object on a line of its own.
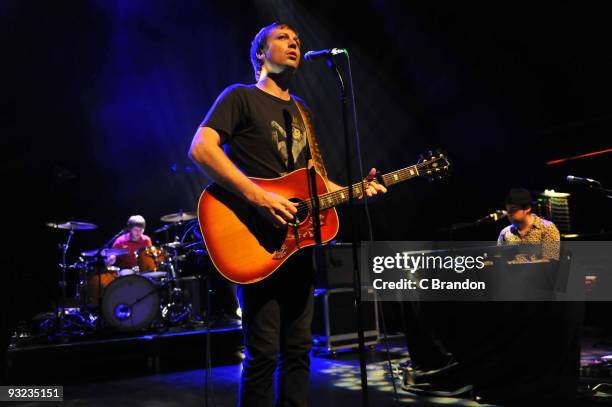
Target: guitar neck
[{"x": 332, "y": 199}]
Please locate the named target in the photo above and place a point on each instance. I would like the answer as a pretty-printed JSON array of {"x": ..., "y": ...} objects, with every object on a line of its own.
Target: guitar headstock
[{"x": 434, "y": 165}]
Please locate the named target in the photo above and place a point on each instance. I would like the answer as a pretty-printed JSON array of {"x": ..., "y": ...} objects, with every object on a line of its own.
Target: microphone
[
  {"x": 495, "y": 216},
  {"x": 324, "y": 53},
  {"x": 590, "y": 182}
]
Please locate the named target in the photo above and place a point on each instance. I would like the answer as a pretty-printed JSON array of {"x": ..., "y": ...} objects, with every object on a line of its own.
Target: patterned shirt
[{"x": 541, "y": 231}]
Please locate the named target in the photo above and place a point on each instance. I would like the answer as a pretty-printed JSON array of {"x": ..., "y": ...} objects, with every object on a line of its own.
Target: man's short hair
[
  {"x": 136, "y": 220},
  {"x": 519, "y": 197},
  {"x": 260, "y": 42}
]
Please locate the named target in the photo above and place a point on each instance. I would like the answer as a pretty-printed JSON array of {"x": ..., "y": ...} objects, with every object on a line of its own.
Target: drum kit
[{"x": 149, "y": 295}]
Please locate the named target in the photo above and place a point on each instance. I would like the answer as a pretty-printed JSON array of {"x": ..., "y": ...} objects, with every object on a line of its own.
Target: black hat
[{"x": 519, "y": 197}]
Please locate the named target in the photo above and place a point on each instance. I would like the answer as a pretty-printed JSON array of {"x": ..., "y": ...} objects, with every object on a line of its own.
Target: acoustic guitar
[{"x": 246, "y": 248}]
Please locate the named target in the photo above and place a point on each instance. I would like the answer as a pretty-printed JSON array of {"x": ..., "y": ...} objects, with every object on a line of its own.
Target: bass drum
[{"x": 130, "y": 303}]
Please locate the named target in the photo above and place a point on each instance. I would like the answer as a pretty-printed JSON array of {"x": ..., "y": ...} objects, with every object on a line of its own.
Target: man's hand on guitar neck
[{"x": 373, "y": 187}]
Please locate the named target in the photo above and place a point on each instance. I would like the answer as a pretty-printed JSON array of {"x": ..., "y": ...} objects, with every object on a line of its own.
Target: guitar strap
[
  {"x": 319, "y": 167},
  {"x": 315, "y": 152}
]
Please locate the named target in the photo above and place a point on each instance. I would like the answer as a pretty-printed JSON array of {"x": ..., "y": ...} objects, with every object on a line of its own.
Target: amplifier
[
  {"x": 334, "y": 325},
  {"x": 333, "y": 265}
]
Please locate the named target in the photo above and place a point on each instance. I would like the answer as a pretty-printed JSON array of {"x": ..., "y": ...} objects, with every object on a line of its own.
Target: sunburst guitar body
[{"x": 246, "y": 248}]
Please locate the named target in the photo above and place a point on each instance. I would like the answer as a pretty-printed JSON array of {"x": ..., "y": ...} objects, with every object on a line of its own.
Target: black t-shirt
[{"x": 254, "y": 125}]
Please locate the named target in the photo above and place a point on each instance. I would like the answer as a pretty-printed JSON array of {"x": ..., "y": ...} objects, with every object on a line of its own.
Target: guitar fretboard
[{"x": 332, "y": 199}]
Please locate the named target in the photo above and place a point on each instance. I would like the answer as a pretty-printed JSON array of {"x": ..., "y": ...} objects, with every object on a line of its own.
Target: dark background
[{"x": 100, "y": 101}]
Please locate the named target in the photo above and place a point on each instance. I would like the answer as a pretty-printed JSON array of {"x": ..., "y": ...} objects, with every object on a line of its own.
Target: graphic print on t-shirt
[{"x": 298, "y": 142}]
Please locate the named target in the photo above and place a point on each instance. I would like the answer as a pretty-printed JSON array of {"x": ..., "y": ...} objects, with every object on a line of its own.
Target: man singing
[{"x": 264, "y": 135}]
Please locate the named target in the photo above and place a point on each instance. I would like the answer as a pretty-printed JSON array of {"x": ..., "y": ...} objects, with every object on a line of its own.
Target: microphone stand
[
  {"x": 112, "y": 239},
  {"x": 594, "y": 185},
  {"x": 591, "y": 184},
  {"x": 353, "y": 221},
  {"x": 490, "y": 218},
  {"x": 61, "y": 309},
  {"x": 605, "y": 191}
]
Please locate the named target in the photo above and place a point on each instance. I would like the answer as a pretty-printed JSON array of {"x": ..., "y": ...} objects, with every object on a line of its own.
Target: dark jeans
[{"x": 276, "y": 321}]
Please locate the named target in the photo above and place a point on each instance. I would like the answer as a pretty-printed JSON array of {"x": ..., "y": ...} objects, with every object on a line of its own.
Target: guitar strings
[
  {"x": 304, "y": 207},
  {"x": 357, "y": 188}
]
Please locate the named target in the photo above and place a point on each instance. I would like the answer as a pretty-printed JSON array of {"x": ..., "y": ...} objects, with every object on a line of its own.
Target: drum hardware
[
  {"x": 178, "y": 308},
  {"x": 189, "y": 243},
  {"x": 61, "y": 320},
  {"x": 146, "y": 296},
  {"x": 174, "y": 221},
  {"x": 162, "y": 229},
  {"x": 80, "y": 266},
  {"x": 173, "y": 245},
  {"x": 175, "y": 257},
  {"x": 75, "y": 321},
  {"x": 105, "y": 252},
  {"x": 194, "y": 248}
]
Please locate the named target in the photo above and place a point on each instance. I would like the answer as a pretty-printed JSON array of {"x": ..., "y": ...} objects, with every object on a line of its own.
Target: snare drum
[
  {"x": 155, "y": 275},
  {"x": 128, "y": 272}
]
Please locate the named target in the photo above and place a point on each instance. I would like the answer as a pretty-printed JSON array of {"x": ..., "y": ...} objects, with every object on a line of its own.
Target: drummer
[{"x": 133, "y": 240}]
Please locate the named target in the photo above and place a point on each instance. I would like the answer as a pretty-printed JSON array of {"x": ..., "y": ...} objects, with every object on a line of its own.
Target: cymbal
[
  {"x": 105, "y": 252},
  {"x": 72, "y": 225},
  {"x": 178, "y": 217}
]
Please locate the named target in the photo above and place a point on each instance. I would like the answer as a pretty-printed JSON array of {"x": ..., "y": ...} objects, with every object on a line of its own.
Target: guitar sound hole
[{"x": 302, "y": 215}]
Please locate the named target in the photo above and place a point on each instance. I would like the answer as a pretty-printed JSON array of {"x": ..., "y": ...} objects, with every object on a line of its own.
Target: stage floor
[
  {"x": 335, "y": 382},
  {"x": 335, "y": 378}
]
